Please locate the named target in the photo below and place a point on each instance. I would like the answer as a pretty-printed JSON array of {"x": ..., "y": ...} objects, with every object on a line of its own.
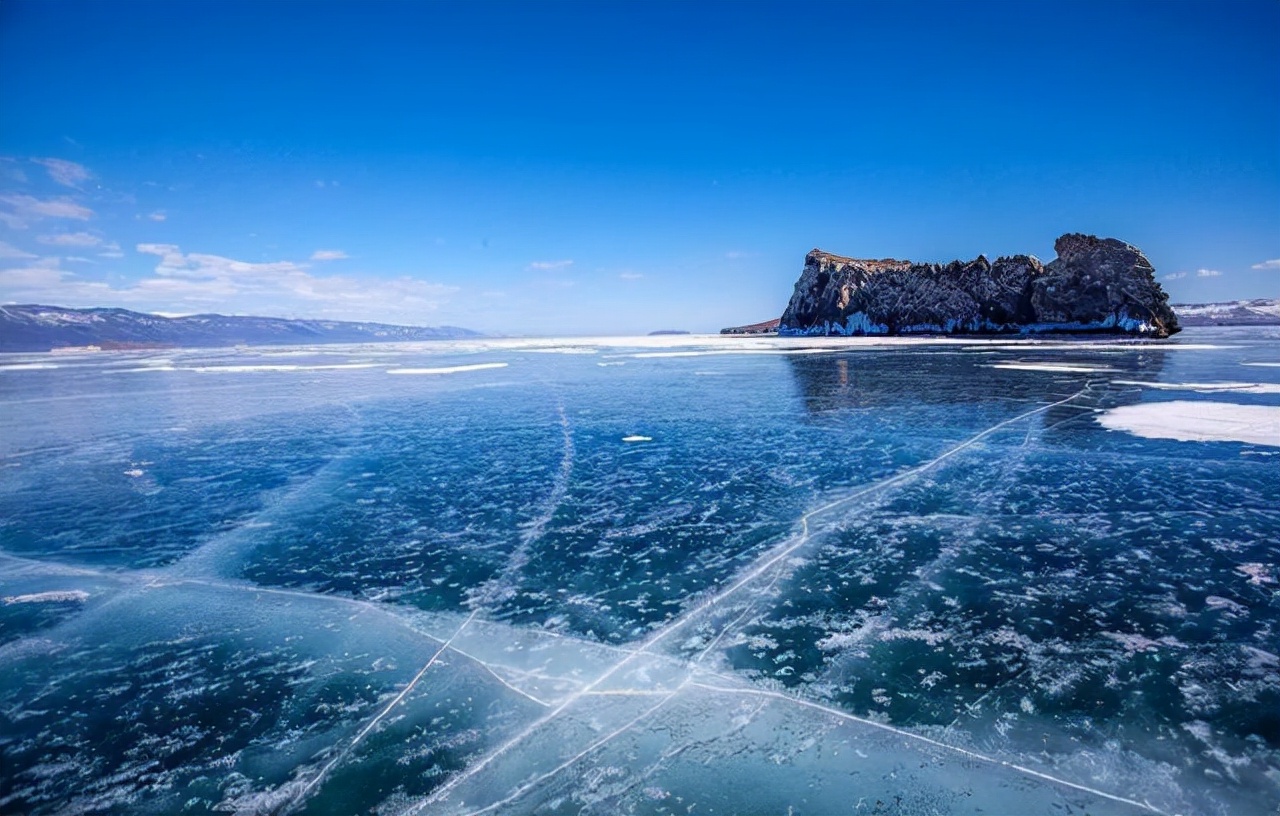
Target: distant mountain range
[
  {"x": 1259, "y": 312},
  {"x": 44, "y": 328}
]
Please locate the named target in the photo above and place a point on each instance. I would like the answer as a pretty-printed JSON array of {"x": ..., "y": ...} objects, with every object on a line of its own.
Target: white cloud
[
  {"x": 21, "y": 210},
  {"x": 158, "y": 215},
  {"x": 1207, "y": 273},
  {"x": 11, "y": 251},
  {"x": 111, "y": 250},
  {"x": 329, "y": 255},
  {"x": 631, "y": 276},
  {"x": 157, "y": 249},
  {"x": 196, "y": 282},
  {"x": 197, "y": 266},
  {"x": 1275, "y": 264},
  {"x": 734, "y": 255},
  {"x": 1175, "y": 275},
  {"x": 188, "y": 283},
  {"x": 36, "y": 275},
  {"x": 78, "y": 239},
  {"x": 545, "y": 266},
  {"x": 66, "y": 173}
]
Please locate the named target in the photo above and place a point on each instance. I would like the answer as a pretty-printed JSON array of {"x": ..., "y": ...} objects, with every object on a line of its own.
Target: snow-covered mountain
[
  {"x": 42, "y": 328},
  {"x": 1259, "y": 312}
]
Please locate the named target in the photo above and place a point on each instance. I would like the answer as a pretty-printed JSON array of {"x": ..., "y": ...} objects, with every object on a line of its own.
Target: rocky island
[{"x": 1094, "y": 285}]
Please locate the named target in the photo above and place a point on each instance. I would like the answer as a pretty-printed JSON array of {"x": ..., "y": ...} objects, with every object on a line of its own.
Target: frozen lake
[{"x": 648, "y": 575}]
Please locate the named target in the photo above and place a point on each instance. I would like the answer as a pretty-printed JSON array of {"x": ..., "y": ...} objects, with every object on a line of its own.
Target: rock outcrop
[
  {"x": 1094, "y": 285},
  {"x": 766, "y": 327}
]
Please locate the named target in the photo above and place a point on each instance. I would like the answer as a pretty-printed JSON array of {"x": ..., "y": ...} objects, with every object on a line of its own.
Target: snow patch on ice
[
  {"x": 447, "y": 369},
  {"x": 720, "y": 352},
  {"x": 240, "y": 369},
  {"x": 1208, "y": 388},
  {"x": 1069, "y": 368},
  {"x": 1133, "y": 642},
  {"x": 1198, "y": 421},
  {"x": 1258, "y": 574},
  {"x": 561, "y": 350},
  {"x": 1118, "y": 344},
  {"x": 250, "y": 369},
  {"x": 56, "y": 596}
]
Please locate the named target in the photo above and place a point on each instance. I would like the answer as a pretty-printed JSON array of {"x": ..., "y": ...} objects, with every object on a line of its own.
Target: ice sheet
[{"x": 889, "y": 576}]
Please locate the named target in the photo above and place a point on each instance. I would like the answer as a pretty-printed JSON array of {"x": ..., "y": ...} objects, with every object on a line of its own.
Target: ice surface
[{"x": 876, "y": 576}]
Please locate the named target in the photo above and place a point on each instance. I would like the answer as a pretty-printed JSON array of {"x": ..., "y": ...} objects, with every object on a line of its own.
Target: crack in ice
[
  {"x": 844, "y": 715},
  {"x": 501, "y": 587},
  {"x": 495, "y": 594},
  {"x": 590, "y": 749},
  {"x": 764, "y": 563},
  {"x": 319, "y": 777}
]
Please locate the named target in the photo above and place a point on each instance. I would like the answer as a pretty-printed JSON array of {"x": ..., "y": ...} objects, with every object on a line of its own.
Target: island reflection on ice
[{"x": 824, "y": 576}]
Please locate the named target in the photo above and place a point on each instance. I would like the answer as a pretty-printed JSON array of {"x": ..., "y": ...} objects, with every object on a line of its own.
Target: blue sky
[{"x": 568, "y": 168}]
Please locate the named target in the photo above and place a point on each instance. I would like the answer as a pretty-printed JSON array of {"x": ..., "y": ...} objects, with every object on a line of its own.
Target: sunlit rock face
[{"x": 1094, "y": 285}]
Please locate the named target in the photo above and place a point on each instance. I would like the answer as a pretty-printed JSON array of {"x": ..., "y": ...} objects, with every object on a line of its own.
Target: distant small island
[
  {"x": 1094, "y": 285},
  {"x": 27, "y": 328},
  {"x": 661, "y": 332}
]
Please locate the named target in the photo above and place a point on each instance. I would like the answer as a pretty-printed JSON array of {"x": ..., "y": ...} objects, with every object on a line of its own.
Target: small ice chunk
[{"x": 637, "y": 438}]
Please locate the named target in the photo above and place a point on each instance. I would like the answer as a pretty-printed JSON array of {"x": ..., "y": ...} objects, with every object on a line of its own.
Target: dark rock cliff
[{"x": 1094, "y": 285}]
